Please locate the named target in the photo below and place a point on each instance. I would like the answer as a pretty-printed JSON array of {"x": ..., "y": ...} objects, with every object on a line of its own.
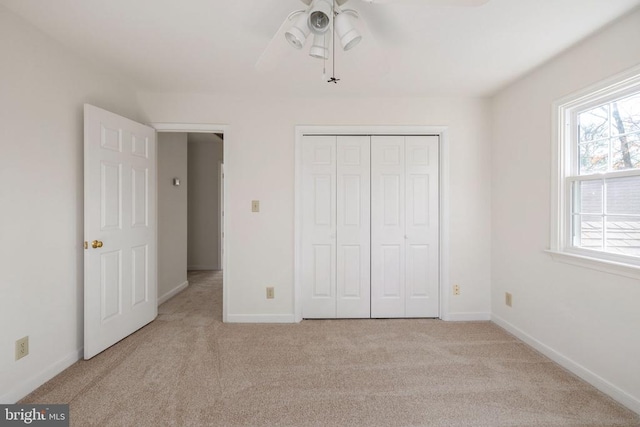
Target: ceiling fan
[{"x": 326, "y": 21}]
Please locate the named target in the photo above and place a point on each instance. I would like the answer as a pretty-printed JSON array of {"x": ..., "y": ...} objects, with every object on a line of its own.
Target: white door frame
[
  {"x": 221, "y": 212},
  {"x": 444, "y": 249},
  {"x": 209, "y": 128}
]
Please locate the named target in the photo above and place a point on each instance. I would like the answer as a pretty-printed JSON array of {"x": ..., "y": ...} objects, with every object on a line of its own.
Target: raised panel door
[
  {"x": 422, "y": 226},
  {"x": 353, "y": 227},
  {"x": 120, "y": 271},
  {"x": 319, "y": 227},
  {"x": 387, "y": 226}
]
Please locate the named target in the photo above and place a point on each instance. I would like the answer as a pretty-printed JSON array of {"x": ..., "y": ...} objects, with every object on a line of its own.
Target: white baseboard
[
  {"x": 592, "y": 378},
  {"x": 30, "y": 384},
  {"x": 202, "y": 267},
  {"x": 173, "y": 292},
  {"x": 466, "y": 317},
  {"x": 261, "y": 318}
]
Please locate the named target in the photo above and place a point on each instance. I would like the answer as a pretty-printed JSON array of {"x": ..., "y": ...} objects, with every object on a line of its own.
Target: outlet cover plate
[{"x": 22, "y": 347}]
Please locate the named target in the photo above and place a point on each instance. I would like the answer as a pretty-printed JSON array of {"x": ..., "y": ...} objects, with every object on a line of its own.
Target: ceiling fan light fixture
[
  {"x": 346, "y": 32},
  {"x": 298, "y": 33},
  {"x": 320, "y": 48},
  {"x": 320, "y": 16}
]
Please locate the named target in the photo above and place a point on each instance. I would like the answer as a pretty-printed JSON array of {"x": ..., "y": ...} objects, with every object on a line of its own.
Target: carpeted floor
[{"x": 187, "y": 368}]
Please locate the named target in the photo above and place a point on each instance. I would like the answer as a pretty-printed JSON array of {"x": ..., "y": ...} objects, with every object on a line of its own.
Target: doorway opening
[{"x": 191, "y": 188}]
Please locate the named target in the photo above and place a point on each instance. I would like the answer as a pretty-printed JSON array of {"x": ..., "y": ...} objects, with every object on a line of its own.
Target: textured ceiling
[{"x": 411, "y": 49}]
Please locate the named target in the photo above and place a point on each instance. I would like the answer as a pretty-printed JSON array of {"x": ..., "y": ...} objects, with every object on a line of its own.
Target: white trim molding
[
  {"x": 595, "y": 380},
  {"x": 189, "y": 127},
  {"x": 468, "y": 317},
  {"x": 598, "y": 264},
  {"x": 202, "y": 268},
  {"x": 226, "y": 130},
  {"x": 261, "y": 318},
  {"x": 30, "y": 384},
  {"x": 443, "y": 134},
  {"x": 173, "y": 292}
]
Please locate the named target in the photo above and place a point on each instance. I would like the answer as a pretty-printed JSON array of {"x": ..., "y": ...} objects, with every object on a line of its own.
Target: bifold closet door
[
  {"x": 319, "y": 227},
  {"x": 404, "y": 226},
  {"x": 353, "y": 227},
  {"x": 336, "y": 227}
]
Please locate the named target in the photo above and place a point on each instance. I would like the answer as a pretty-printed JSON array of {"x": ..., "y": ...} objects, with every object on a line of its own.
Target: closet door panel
[
  {"x": 319, "y": 227},
  {"x": 387, "y": 226},
  {"x": 353, "y": 227},
  {"x": 370, "y": 234},
  {"x": 422, "y": 230}
]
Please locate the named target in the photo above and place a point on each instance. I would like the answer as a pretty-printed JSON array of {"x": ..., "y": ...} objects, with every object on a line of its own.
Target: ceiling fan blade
[
  {"x": 277, "y": 48},
  {"x": 454, "y": 3},
  {"x": 374, "y": 51},
  {"x": 387, "y": 27}
]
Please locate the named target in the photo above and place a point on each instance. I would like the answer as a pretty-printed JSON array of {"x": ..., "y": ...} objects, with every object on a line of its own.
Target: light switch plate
[{"x": 255, "y": 206}]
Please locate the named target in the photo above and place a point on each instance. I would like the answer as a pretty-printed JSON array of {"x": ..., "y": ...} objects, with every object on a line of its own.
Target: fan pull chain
[
  {"x": 324, "y": 62},
  {"x": 333, "y": 78}
]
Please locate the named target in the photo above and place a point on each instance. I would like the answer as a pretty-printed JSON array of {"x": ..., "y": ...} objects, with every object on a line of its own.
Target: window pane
[
  {"x": 587, "y": 197},
  {"x": 587, "y": 231},
  {"x": 626, "y": 115},
  {"x": 594, "y": 124},
  {"x": 623, "y": 235},
  {"x": 623, "y": 195},
  {"x": 594, "y": 157},
  {"x": 626, "y": 152}
]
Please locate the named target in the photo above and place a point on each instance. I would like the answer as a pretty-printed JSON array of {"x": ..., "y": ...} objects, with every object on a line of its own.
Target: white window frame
[{"x": 564, "y": 146}]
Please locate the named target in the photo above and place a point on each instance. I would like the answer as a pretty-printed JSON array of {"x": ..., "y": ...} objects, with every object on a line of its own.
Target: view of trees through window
[
  {"x": 609, "y": 137},
  {"x": 606, "y": 209}
]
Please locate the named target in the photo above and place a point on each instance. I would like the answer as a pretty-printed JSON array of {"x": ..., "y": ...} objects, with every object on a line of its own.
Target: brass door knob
[{"x": 96, "y": 244}]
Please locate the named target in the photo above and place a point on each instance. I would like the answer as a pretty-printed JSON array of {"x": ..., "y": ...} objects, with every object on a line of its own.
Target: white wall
[
  {"x": 172, "y": 214},
  {"x": 259, "y": 165},
  {"x": 588, "y": 319},
  {"x": 43, "y": 89},
  {"x": 205, "y": 153}
]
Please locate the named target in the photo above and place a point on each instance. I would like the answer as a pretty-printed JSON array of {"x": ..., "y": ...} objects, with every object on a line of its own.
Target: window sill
[{"x": 612, "y": 267}]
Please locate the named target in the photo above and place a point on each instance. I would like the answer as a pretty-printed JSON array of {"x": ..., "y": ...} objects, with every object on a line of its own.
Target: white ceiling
[{"x": 419, "y": 49}]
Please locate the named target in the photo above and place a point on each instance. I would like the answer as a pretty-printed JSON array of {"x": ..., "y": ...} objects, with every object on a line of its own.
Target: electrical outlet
[
  {"x": 508, "y": 299},
  {"x": 255, "y": 206},
  {"x": 271, "y": 292},
  {"x": 22, "y": 347},
  {"x": 456, "y": 289}
]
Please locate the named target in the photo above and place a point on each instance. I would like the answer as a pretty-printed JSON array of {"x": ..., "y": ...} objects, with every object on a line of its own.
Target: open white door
[{"x": 120, "y": 293}]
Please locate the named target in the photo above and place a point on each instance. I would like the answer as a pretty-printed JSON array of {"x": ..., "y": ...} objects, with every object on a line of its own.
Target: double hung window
[{"x": 598, "y": 205}]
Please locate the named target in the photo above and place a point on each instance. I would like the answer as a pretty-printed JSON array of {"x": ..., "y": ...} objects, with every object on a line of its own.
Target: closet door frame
[{"x": 444, "y": 214}]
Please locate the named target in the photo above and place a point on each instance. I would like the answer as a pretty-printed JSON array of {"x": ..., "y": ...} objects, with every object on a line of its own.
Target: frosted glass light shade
[
  {"x": 320, "y": 16},
  {"x": 298, "y": 33},
  {"x": 320, "y": 48},
  {"x": 346, "y": 32}
]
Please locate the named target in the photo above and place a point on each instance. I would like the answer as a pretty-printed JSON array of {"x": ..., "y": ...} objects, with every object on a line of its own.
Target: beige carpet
[{"x": 189, "y": 369}]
